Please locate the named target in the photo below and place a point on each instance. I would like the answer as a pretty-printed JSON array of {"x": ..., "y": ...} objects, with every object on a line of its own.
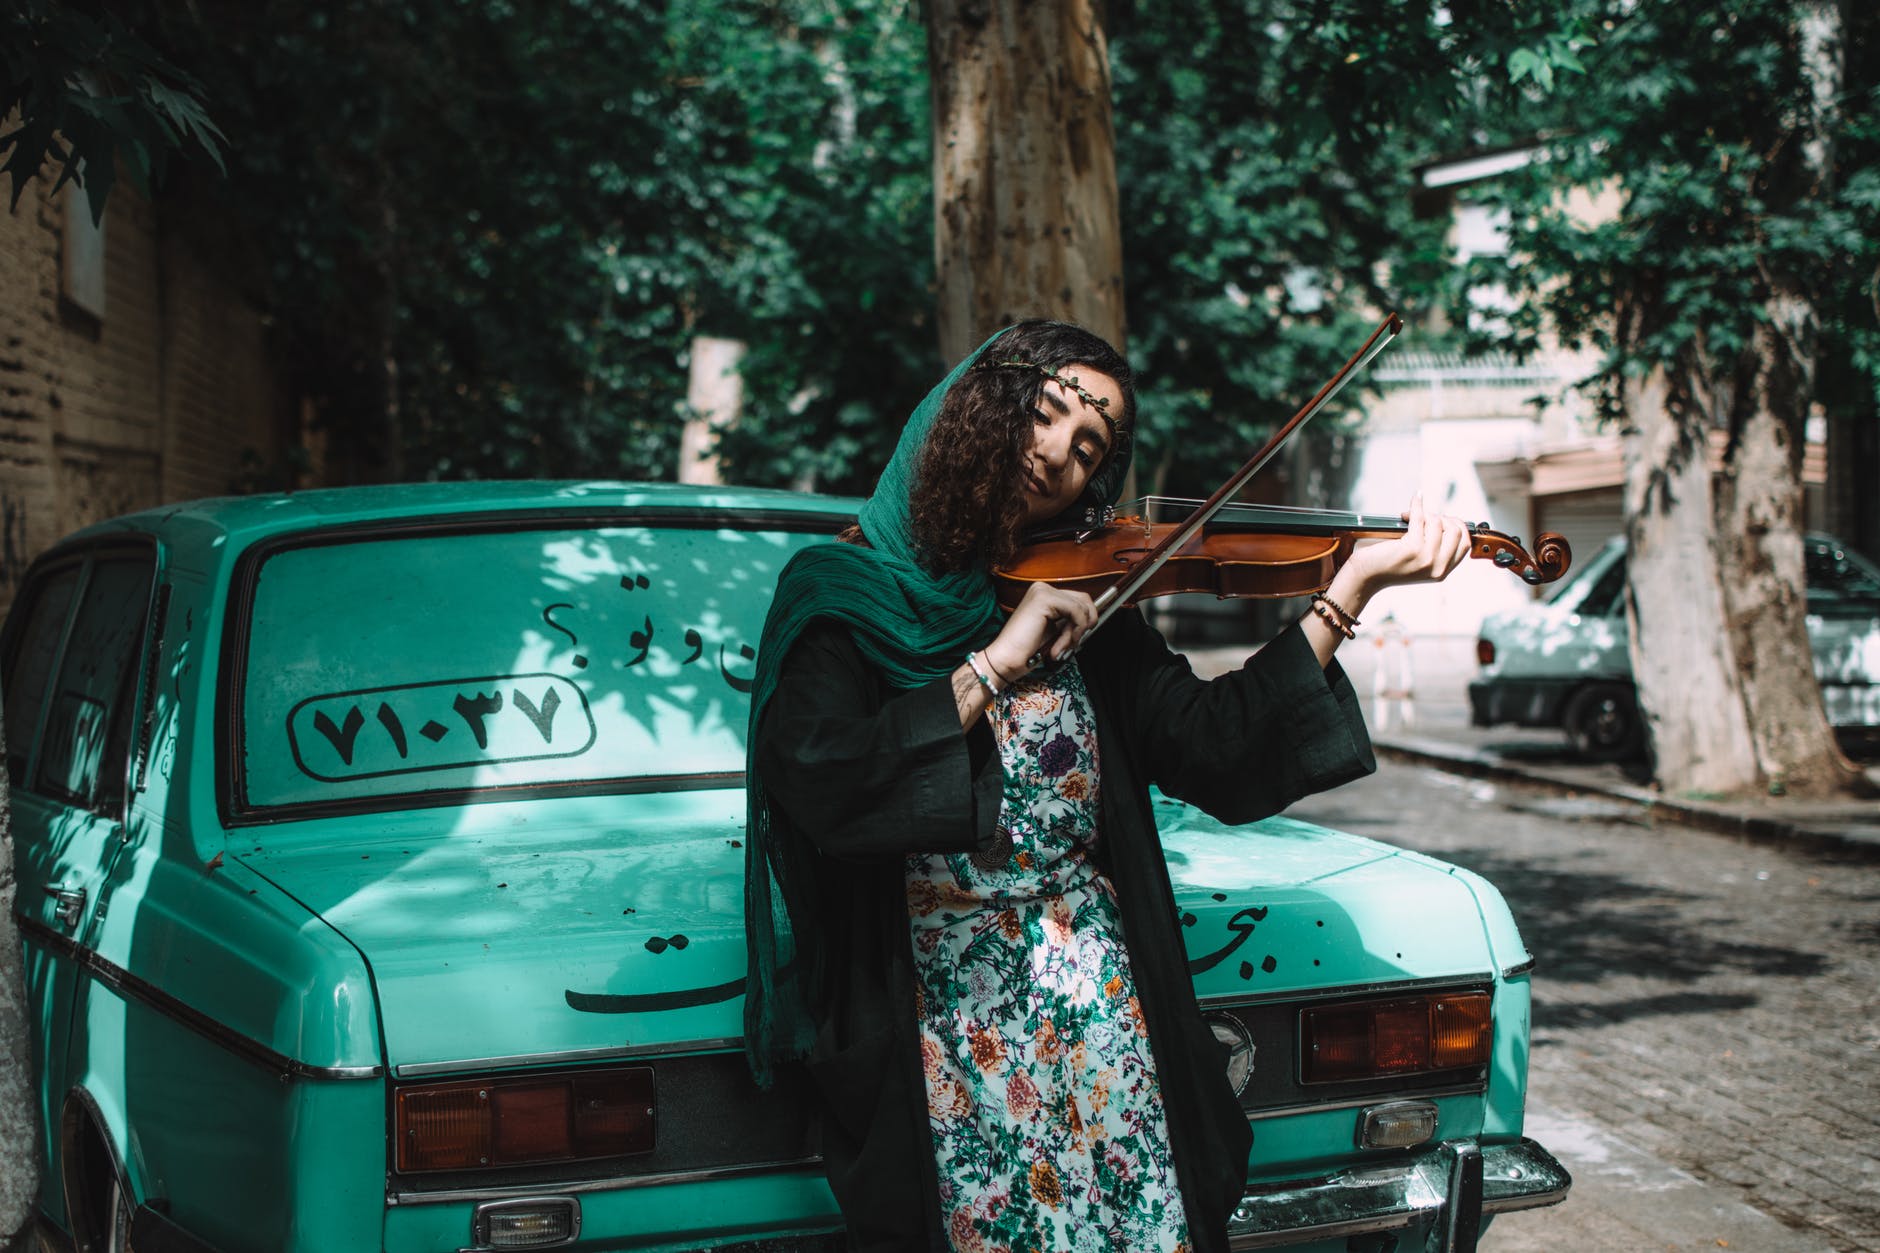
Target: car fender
[{"x": 1503, "y": 1119}]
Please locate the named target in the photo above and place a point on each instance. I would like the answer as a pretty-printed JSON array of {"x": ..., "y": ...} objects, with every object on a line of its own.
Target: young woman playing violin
[{"x": 959, "y": 914}]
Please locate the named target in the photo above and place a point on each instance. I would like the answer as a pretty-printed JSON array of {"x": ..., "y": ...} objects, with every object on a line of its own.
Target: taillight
[
  {"x": 1485, "y": 651},
  {"x": 1413, "y": 1035},
  {"x": 516, "y": 1121}
]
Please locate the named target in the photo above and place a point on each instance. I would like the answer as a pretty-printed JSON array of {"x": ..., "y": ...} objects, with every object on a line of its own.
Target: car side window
[
  {"x": 87, "y": 735},
  {"x": 1607, "y": 597},
  {"x": 39, "y": 625}
]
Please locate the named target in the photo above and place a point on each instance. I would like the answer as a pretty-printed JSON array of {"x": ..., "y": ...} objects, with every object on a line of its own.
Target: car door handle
[{"x": 71, "y": 904}]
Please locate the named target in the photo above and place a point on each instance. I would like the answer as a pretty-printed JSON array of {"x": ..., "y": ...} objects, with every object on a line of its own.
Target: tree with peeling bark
[
  {"x": 1728, "y": 295},
  {"x": 1024, "y": 166}
]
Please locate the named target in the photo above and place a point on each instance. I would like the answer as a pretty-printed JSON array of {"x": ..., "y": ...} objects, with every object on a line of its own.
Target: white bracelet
[{"x": 972, "y": 659}]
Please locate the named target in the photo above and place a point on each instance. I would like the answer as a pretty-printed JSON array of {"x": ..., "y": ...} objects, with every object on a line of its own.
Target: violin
[
  {"x": 1252, "y": 551},
  {"x": 1256, "y": 551}
]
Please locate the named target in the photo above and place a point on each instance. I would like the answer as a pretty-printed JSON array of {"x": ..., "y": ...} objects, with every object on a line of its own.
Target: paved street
[
  {"x": 1707, "y": 1021},
  {"x": 1702, "y": 1006}
]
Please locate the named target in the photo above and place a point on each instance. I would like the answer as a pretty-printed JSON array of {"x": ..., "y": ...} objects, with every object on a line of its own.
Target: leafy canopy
[{"x": 85, "y": 91}]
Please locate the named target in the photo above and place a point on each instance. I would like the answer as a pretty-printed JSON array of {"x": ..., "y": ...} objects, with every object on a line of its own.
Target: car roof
[{"x": 244, "y": 519}]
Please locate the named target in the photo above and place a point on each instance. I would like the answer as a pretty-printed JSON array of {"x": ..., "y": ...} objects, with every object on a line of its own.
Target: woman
[{"x": 958, "y": 911}]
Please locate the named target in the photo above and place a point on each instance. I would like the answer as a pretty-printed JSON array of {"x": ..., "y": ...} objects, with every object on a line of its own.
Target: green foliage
[
  {"x": 90, "y": 91},
  {"x": 1267, "y": 207},
  {"x": 502, "y": 225},
  {"x": 826, "y": 265},
  {"x": 505, "y": 224},
  {"x": 1696, "y": 116}
]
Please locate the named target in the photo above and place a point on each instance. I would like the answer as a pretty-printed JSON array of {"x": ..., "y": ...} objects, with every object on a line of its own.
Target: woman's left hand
[{"x": 1431, "y": 546}]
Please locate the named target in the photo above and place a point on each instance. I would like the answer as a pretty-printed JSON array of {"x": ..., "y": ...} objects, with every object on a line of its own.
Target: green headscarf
[{"x": 916, "y": 626}]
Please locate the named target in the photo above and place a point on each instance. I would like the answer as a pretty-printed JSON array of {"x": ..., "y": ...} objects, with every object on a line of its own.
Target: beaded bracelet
[
  {"x": 1344, "y": 613},
  {"x": 972, "y": 659},
  {"x": 1329, "y": 613}
]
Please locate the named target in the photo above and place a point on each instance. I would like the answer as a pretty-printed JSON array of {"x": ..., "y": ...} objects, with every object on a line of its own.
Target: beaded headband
[{"x": 1071, "y": 384}]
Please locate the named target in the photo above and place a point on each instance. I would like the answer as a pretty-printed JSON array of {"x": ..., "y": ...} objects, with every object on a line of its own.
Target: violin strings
[{"x": 1334, "y": 518}]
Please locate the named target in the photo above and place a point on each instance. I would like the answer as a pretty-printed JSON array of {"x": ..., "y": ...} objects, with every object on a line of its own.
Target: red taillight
[
  {"x": 1398, "y": 1037},
  {"x": 1485, "y": 651},
  {"x": 512, "y": 1122}
]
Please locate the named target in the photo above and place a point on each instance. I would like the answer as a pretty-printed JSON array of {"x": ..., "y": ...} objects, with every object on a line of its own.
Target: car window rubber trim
[{"x": 127, "y": 984}]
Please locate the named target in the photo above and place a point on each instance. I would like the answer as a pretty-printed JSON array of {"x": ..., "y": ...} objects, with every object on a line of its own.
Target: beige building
[{"x": 132, "y": 372}]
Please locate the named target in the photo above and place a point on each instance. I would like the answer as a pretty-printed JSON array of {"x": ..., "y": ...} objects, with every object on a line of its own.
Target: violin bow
[{"x": 1119, "y": 592}]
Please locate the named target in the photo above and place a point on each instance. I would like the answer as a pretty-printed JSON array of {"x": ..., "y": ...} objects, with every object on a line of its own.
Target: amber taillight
[
  {"x": 524, "y": 1119},
  {"x": 1412, "y": 1035}
]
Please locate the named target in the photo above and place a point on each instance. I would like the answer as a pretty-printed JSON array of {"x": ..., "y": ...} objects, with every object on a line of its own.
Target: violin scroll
[{"x": 1552, "y": 555}]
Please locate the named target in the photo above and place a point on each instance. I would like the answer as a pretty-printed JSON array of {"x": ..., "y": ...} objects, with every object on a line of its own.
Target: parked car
[
  {"x": 1566, "y": 662},
  {"x": 380, "y": 886}
]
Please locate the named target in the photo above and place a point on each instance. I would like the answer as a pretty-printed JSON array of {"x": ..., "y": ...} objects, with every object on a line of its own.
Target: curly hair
[{"x": 968, "y": 502}]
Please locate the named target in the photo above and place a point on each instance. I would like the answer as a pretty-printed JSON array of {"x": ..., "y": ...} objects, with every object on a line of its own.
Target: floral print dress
[{"x": 1047, "y": 1120}]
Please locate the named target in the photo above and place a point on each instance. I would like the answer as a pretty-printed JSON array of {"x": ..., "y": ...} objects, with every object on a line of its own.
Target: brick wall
[{"x": 157, "y": 400}]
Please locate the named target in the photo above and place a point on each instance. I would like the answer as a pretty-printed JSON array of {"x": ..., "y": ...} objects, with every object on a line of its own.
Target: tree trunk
[
  {"x": 1759, "y": 491},
  {"x": 1683, "y": 661},
  {"x": 385, "y": 264},
  {"x": 1025, "y": 211},
  {"x": 1717, "y": 588},
  {"x": 714, "y": 397},
  {"x": 19, "y": 1108},
  {"x": 1759, "y": 540}
]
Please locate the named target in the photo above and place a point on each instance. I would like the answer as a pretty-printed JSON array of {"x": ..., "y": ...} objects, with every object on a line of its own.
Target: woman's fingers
[
  {"x": 1457, "y": 533},
  {"x": 1073, "y": 614},
  {"x": 1048, "y": 622},
  {"x": 1431, "y": 546},
  {"x": 1431, "y": 550}
]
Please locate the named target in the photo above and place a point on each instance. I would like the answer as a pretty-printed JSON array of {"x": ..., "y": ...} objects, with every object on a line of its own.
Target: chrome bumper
[{"x": 1448, "y": 1188}]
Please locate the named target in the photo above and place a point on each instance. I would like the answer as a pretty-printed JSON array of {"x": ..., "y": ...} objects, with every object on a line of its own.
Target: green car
[{"x": 380, "y": 882}]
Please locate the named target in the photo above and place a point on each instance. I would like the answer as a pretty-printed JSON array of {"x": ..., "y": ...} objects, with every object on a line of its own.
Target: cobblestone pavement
[{"x": 1711, "y": 1003}]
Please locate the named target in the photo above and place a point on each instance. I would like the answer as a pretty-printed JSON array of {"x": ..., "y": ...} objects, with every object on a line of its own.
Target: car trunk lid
[{"x": 546, "y": 928}]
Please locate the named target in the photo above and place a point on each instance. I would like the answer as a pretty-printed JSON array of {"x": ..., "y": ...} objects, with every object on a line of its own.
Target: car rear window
[{"x": 380, "y": 670}]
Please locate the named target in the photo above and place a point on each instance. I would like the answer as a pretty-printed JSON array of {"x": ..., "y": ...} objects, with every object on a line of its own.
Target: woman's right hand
[{"x": 1047, "y": 624}]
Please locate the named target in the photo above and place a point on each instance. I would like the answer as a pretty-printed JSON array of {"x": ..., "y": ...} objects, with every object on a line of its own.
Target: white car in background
[{"x": 1566, "y": 662}]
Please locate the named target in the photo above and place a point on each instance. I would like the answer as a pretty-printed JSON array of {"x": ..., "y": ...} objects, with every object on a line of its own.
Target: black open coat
[{"x": 867, "y": 774}]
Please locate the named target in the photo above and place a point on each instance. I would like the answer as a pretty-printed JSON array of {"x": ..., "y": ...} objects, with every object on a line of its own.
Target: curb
[{"x": 1723, "y": 820}]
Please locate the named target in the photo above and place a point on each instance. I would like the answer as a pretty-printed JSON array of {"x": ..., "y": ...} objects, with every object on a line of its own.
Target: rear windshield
[{"x": 388, "y": 668}]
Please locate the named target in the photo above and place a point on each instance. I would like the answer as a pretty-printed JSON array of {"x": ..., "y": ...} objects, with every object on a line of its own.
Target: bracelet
[
  {"x": 972, "y": 659},
  {"x": 1325, "y": 610},
  {"x": 1344, "y": 613}
]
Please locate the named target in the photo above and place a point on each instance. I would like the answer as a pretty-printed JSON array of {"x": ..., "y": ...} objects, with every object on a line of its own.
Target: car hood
[{"x": 559, "y": 928}]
